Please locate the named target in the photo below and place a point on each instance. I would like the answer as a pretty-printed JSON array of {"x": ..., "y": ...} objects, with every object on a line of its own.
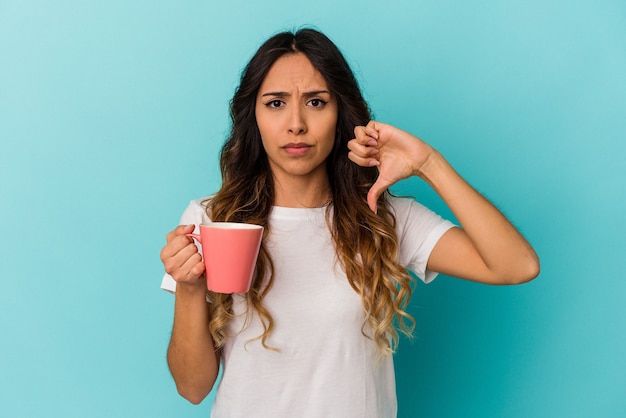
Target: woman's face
[{"x": 297, "y": 118}]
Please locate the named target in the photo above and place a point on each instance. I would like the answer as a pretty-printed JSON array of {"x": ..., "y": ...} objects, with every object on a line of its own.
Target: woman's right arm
[{"x": 191, "y": 355}]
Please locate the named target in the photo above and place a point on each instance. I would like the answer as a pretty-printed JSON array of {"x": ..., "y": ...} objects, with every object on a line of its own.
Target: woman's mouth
[{"x": 296, "y": 149}]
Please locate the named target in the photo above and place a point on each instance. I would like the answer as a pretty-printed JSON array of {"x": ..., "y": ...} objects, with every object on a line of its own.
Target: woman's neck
[{"x": 297, "y": 192}]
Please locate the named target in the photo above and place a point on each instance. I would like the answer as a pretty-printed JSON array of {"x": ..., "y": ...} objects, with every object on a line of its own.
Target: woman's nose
[{"x": 297, "y": 124}]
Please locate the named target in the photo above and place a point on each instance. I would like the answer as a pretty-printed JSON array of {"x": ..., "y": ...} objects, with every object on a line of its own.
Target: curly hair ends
[
  {"x": 373, "y": 271},
  {"x": 366, "y": 244}
]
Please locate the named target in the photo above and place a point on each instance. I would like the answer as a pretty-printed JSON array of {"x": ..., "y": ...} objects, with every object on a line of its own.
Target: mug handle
[{"x": 195, "y": 236}]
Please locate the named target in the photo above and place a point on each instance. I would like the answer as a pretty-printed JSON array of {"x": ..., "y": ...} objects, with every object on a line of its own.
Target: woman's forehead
[{"x": 293, "y": 72}]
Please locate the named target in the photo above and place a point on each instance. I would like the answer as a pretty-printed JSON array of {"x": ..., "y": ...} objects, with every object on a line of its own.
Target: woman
[{"x": 315, "y": 334}]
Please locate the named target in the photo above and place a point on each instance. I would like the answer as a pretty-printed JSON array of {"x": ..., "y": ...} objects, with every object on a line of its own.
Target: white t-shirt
[{"x": 325, "y": 366}]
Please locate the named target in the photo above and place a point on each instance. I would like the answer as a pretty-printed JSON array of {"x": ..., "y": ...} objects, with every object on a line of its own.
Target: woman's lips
[{"x": 296, "y": 149}]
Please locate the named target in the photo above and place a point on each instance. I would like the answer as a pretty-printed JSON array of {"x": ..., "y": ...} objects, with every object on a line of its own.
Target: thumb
[
  {"x": 374, "y": 193},
  {"x": 179, "y": 230},
  {"x": 185, "y": 230}
]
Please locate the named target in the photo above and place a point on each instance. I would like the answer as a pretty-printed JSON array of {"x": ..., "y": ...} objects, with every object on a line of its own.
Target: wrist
[
  {"x": 445, "y": 181},
  {"x": 433, "y": 167},
  {"x": 197, "y": 287}
]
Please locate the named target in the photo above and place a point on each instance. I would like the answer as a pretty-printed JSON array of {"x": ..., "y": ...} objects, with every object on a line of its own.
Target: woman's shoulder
[
  {"x": 196, "y": 211},
  {"x": 403, "y": 204},
  {"x": 408, "y": 210}
]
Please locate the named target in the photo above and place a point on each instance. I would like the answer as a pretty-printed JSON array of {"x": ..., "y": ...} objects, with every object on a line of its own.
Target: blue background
[{"x": 112, "y": 114}]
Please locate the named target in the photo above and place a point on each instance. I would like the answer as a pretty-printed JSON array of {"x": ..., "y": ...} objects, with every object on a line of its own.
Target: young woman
[{"x": 315, "y": 334}]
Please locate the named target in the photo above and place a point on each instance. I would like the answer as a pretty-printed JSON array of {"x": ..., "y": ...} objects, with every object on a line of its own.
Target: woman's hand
[
  {"x": 191, "y": 355},
  {"x": 181, "y": 258},
  {"x": 487, "y": 248},
  {"x": 396, "y": 153}
]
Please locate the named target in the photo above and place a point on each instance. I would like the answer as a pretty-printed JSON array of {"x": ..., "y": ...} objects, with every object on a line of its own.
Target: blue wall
[{"x": 112, "y": 114}]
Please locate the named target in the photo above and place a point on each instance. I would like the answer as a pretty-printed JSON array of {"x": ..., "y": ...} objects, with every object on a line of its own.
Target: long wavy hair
[{"x": 366, "y": 243}]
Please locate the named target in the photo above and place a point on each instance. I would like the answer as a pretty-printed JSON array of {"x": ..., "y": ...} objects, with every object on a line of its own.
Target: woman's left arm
[{"x": 487, "y": 248}]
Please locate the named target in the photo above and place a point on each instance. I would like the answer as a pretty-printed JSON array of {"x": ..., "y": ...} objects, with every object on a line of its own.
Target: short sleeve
[
  {"x": 194, "y": 214},
  {"x": 419, "y": 229}
]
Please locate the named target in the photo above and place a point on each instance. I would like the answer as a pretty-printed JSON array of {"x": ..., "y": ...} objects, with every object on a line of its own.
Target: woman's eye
[
  {"x": 317, "y": 103},
  {"x": 274, "y": 103}
]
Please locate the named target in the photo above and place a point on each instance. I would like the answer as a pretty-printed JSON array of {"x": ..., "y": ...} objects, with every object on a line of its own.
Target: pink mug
[{"x": 230, "y": 251}]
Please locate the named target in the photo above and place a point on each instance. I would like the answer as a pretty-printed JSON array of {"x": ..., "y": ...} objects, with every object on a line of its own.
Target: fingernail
[
  {"x": 373, "y": 163},
  {"x": 372, "y": 143}
]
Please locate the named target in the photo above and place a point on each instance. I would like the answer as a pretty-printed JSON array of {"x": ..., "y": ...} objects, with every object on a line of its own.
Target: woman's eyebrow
[
  {"x": 284, "y": 93},
  {"x": 315, "y": 92},
  {"x": 276, "y": 93}
]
